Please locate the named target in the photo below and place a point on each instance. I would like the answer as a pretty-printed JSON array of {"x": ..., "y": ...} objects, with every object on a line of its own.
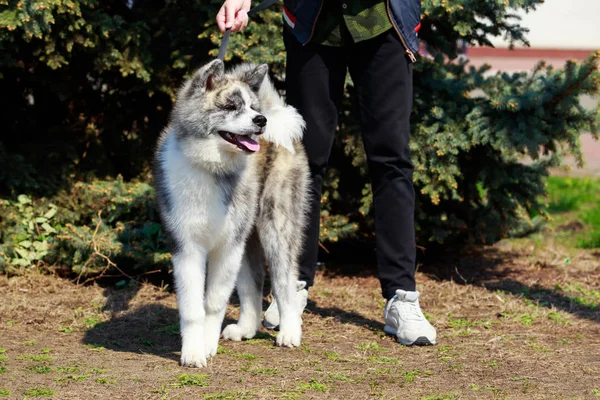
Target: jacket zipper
[
  {"x": 409, "y": 53},
  {"x": 312, "y": 32}
]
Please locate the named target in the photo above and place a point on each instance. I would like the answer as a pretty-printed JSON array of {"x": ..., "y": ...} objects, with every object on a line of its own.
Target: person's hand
[{"x": 233, "y": 14}]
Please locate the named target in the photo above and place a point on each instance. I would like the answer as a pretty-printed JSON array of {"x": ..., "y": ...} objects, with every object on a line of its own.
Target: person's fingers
[
  {"x": 221, "y": 19},
  {"x": 244, "y": 21},
  {"x": 229, "y": 16},
  {"x": 241, "y": 20},
  {"x": 246, "y": 6}
]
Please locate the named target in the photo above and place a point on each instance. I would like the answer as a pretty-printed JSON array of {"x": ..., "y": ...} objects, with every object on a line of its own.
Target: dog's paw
[
  {"x": 212, "y": 344},
  {"x": 236, "y": 333},
  {"x": 211, "y": 339},
  {"x": 211, "y": 349},
  {"x": 193, "y": 356},
  {"x": 290, "y": 335}
]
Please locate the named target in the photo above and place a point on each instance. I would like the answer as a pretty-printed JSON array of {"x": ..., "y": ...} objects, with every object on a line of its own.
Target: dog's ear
[
  {"x": 255, "y": 77},
  {"x": 207, "y": 77}
]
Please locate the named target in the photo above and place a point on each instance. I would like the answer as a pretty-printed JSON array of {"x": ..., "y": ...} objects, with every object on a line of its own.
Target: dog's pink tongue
[{"x": 248, "y": 144}]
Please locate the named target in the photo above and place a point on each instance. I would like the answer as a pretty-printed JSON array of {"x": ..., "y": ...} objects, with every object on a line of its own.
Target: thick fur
[{"x": 227, "y": 210}]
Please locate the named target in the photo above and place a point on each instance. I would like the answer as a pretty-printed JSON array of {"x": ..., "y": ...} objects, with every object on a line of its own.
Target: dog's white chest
[{"x": 198, "y": 211}]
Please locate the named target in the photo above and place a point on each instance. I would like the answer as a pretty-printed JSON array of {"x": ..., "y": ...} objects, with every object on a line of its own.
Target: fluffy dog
[{"x": 232, "y": 182}]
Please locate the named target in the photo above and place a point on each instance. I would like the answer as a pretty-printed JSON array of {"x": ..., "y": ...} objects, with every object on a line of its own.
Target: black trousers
[{"x": 382, "y": 76}]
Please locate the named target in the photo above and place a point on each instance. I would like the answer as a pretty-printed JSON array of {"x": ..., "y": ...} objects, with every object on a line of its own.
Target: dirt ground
[{"x": 519, "y": 320}]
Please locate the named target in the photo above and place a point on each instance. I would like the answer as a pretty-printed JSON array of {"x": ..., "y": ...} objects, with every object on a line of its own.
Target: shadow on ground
[
  {"x": 154, "y": 328},
  {"x": 489, "y": 267},
  {"x": 151, "y": 329},
  {"x": 344, "y": 317},
  {"x": 494, "y": 270}
]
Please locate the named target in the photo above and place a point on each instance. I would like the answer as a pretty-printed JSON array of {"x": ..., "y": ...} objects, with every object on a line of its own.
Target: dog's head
[{"x": 221, "y": 111}]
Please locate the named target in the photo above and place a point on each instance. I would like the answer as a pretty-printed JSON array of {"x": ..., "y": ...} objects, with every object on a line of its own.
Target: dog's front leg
[
  {"x": 249, "y": 287},
  {"x": 223, "y": 267},
  {"x": 290, "y": 321},
  {"x": 190, "y": 271},
  {"x": 281, "y": 255}
]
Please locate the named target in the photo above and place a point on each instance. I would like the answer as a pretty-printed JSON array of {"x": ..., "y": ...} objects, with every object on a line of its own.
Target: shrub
[{"x": 87, "y": 86}]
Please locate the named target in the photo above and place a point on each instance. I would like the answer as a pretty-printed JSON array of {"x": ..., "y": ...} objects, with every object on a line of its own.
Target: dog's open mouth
[{"x": 243, "y": 142}]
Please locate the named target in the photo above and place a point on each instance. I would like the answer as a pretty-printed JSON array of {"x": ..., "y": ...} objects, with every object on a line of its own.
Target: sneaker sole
[{"x": 420, "y": 341}]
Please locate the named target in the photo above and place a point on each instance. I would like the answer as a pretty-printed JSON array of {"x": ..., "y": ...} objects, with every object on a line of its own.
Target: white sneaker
[
  {"x": 405, "y": 320},
  {"x": 271, "y": 320}
]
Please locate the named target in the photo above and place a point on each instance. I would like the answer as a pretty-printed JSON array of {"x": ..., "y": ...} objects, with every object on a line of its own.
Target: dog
[{"x": 232, "y": 180}]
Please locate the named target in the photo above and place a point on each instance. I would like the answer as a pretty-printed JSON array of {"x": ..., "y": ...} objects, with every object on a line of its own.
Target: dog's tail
[{"x": 284, "y": 124}]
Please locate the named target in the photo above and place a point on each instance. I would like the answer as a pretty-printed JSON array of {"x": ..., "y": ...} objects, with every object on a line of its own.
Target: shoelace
[{"x": 409, "y": 310}]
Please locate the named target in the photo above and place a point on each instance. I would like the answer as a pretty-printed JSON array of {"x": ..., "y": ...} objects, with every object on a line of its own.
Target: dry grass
[{"x": 516, "y": 320}]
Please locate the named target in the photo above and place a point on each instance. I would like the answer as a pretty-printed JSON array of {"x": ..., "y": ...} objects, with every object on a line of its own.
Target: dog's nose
[{"x": 260, "y": 120}]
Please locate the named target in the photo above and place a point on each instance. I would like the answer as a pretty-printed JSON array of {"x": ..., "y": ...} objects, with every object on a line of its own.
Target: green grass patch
[
  {"x": 3, "y": 369},
  {"x": 71, "y": 370},
  {"x": 445, "y": 396},
  {"x": 370, "y": 347},
  {"x": 246, "y": 356},
  {"x": 36, "y": 392},
  {"x": 3, "y": 359},
  {"x": 40, "y": 369},
  {"x": 539, "y": 348},
  {"x": 2, "y": 350},
  {"x": 463, "y": 325},
  {"x": 191, "y": 380},
  {"x": 92, "y": 322},
  {"x": 571, "y": 194},
  {"x": 66, "y": 329},
  {"x": 106, "y": 381},
  {"x": 98, "y": 371},
  {"x": 333, "y": 356},
  {"x": 579, "y": 294},
  {"x": 409, "y": 376},
  {"x": 231, "y": 395},
  {"x": 382, "y": 371},
  {"x": 591, "y": 218},
  {"x": 444, "y": 353},
  {"x": 95, "y": 347},
  {"x": 384, "y": 360},
  {"x": 45, "y": 351},
  {"x": 265, "y": 371},
  {"x": 29, "y": 343},
  {"x": 40, "y": 358},
  {"x": 558, "y": 318},
  {"x": 576, "y": 199},
  {"x": 4, "y": 392},
  {"x": 459, "y": 323},
  {"x": 313, "y": 384},
  {"x": 526, "y": 319},
  {"x": 74, "y": 378}
]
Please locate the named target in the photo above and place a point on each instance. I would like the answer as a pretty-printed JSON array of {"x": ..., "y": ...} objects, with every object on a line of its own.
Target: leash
[{"x": 225, "y": 40}]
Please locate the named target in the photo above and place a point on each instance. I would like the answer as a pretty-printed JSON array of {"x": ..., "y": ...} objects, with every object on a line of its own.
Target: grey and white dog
[{"x": 232, "y": 183}]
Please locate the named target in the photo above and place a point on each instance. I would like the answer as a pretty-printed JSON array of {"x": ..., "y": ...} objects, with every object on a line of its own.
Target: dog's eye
[{"x": 228, "y": 107}]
